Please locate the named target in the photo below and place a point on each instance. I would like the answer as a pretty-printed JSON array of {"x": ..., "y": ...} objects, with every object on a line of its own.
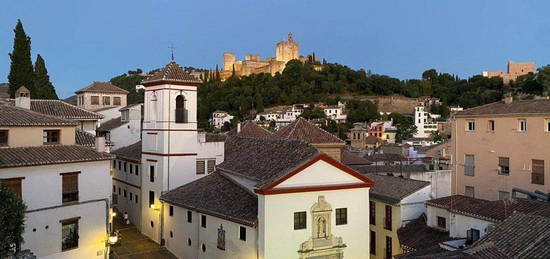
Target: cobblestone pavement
[{"x": 134, "y": 245}]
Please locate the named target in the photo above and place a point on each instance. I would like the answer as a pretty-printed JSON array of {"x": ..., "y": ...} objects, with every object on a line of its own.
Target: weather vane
[{"x": 172, "y": 50}]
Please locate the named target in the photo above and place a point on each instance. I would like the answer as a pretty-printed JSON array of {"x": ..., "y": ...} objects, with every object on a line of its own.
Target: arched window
[{"x": 181, "y": 112}]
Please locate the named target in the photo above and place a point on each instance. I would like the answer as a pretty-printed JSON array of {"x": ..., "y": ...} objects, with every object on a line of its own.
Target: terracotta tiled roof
[
  {"x": 171, "y": 72},
  {"x": 372, "y": 140},
  {"x": 490, "y": 210},
  {"x": 350, "y": 158},
  {"x": 129, "y": 106},
  {"x": 519, "y": 236},
  {"x": 250, "y": 129},
  {"x": 61, "y": 109},
  {"x": 265, "y": 160},
  {"x": 102, "y": 87},
  {"x": 131, "y": 152},
  {"x": 110, "y": 124},
  {"x": 215, "y": 137},
  {"x": 218, "y": 196},
  {"x": 365, "y": 169},
  {"x": 393, "y": 189},
  {"x": 47, "y": 155},
  {"x": 386, "y": 157},
  {"x": 417, "y": 238},
  {"x": 540, "y": 106},
  {"x": 306, "y": 131},
  {"x": 84, "y": 138},
  {"x": 15, "y": 116}
]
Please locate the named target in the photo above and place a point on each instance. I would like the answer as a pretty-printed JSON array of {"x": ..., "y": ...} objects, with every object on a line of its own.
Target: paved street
[{"x": 134, "y": 245}]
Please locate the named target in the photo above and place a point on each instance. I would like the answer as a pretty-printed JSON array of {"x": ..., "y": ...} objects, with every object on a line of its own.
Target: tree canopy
[
  {"x": 12, "y": 216},
  {"x": 21, "y": 68},
  {"x": 43, "y": 88}
]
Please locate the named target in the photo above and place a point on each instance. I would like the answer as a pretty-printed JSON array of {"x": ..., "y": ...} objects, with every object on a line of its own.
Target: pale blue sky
[{"x": 85, "y": 41}]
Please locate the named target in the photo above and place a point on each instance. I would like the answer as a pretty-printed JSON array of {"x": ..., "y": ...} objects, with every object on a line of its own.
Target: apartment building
[
  {"x": 394, "y": 201},
  {"x": 500, "y": 146},
  {"x": 64, "y": 185},
  {"x": 100, "y": 95}
]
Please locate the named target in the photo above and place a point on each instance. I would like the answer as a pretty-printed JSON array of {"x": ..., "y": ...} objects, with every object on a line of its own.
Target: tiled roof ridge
[
  {"x": 104, "y": 156},
  {"x": 237, "y": 183},
  {"x": 164, "y": 74},
  {"x": 66, "y": 103},
  {"x": 87, "y": 88},
  {"x": 67, "y": 121},
  {"x": 246, "y": 123}
]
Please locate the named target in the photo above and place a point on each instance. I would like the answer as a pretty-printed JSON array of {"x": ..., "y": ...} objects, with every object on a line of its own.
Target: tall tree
[
  {"x": 12, "y": 216},
  {"x": 21, "y": 69},
  {"x": 43, "y": 88}
]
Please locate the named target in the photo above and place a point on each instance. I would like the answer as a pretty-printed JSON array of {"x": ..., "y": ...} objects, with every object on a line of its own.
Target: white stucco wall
[
  {"x": 440, "y": 181},
  {"x": 413, "y": 206},
  {"x": 278, "y": 239},
  {"x": 182, "y": 231},
  {"x": 433, "y": 213},
  {"x": 42, "y": 193},
  {"x": 109, "y": 114},
  {"x": 461, "y": 224},
  {"x": 131, "y": 182}
]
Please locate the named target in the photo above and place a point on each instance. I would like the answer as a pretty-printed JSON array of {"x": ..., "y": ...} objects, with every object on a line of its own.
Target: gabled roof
[
  {"x": 393, "y": 189},
  {"x": 350, "y": 158},
  {"x": 490, "y": 210},
  {"x": 61, "y": 109},
  {"x": 110, "y": 124},
  {"x": 217, "y": 196},
  {"x": 264, "y": 160},
  {"x": 306, "y": 131},
  {"x": 171, "y": 73},
  {"x": 131, "y": 152},
  {"x": 250, "y": 129},
  {"x": 102, "y": 87},
  {"x": 84, "y": 138},
  {"x": 15, "y": 116},
  {"x": 48, "y": 155},
  {"x": 540, "y": 106}
]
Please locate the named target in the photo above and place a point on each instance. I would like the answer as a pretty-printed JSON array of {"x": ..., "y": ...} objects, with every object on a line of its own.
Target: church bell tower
[{"x": 169, "y": 140}]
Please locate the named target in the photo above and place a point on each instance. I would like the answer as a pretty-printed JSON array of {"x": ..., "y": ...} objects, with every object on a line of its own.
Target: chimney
[
  {"x": 100, "y": 144},
  {"x": 238, "y": 127},
  {"x": 23, "y": 98},
  {"x": 508, "y": 99}
]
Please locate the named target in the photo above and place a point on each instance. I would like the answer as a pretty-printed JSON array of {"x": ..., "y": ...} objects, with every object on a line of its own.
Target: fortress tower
[
  {"x": 287, "y": 50},
  {"x": 228, "y": 61}
]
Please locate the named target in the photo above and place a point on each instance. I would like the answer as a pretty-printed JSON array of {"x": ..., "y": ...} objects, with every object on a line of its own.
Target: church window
[
  {"x": 189, "y": 216},
  {"x": 299, "y": 220},
  {"x": 203, "y": 221},
  {"x": 181, "y": 112},
  {"x": 341, "y": 216},
  {"x": 242, "y": 233}
]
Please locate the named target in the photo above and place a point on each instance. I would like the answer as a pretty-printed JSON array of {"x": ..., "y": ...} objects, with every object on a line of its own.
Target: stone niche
[{"x": 322, "y": 244}]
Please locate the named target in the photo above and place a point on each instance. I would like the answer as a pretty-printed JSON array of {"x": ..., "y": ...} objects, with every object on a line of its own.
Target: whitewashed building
[
  {"x": 270, "y": 198},
  {"x": 64, "y": 185},
  {"x": 425, "y": 122},
  {"x": 125, "y": 129},
  {"x": 219, "y": 118}
]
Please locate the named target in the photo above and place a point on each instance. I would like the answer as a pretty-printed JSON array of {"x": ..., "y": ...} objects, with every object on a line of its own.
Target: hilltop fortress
[{"x": 285, "y": 51}]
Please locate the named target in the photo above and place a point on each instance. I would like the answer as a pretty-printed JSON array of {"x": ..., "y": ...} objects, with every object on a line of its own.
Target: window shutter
[
  {"x": 200, "y": 166},
  {"x": 211, "y": 164}
]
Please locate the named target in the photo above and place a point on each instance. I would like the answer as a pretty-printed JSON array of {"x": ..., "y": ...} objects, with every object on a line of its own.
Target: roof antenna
[{"x": 172, "y": 50}]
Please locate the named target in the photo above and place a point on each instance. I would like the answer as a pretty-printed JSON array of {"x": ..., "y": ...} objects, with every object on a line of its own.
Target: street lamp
[{"x": 113, "y": 238}]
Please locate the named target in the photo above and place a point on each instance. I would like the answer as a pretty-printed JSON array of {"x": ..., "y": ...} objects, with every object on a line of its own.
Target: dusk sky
[{"x": 85, "y": 41}]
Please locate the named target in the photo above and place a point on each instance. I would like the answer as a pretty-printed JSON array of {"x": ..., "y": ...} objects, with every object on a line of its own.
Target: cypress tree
[
  {"x": 43, "y": 88},
  {"x": 21, "y": 69}
]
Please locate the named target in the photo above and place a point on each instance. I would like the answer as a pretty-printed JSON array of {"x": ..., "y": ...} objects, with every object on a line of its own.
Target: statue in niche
[
  {"x": 321, "y": 228},
  {"x": 221, "y": 238}
]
